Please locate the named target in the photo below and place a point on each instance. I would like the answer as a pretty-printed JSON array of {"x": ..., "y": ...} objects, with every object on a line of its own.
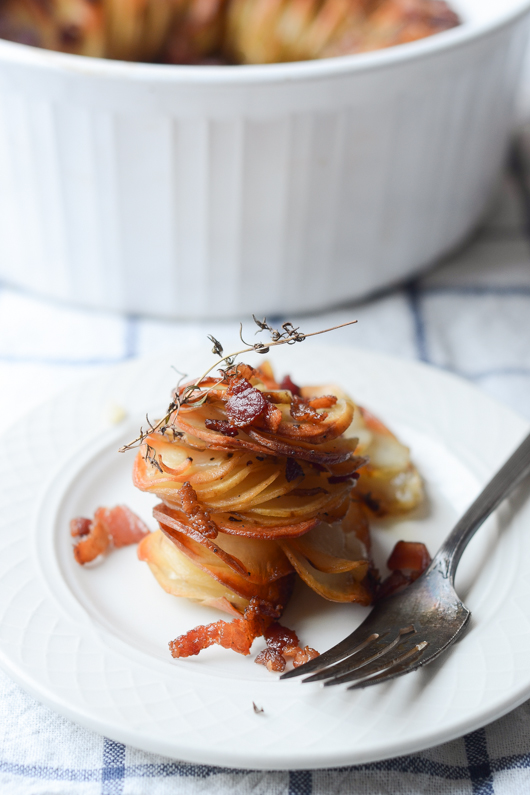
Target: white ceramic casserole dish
[{"x": 197, "y": 191}]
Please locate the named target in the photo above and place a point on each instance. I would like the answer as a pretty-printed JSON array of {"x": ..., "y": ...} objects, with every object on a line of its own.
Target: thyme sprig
[{"x": 289, "y": 335}]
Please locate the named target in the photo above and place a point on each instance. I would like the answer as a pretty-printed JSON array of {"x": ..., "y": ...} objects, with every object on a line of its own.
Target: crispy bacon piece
[
  {"x": 281, "y": 643},
  {"x": 288, "y": 384},
  {"x": 221, "y": 426},
  {"x": 410, "y": 555},
  {"x": 272, "y": 660},
  {"x": 80, "y": 526},
  {"x": 300, "y": 656},
  {"x": 245, "y": 403},
  {"x": 270, "y": 419},
  {"x": 409, "y": 559},
  {"x": 198, "y": 518},
  {"x": 118, "y": 525},
  {"x": 122, "y": 525},
  {"x": 277, "y": 638},
  {"x": 93, "y": 544},
  {"x": 244, "y": 371},
  {"x": 237, "y": 635},
  {"x": 302, "y": 411}
]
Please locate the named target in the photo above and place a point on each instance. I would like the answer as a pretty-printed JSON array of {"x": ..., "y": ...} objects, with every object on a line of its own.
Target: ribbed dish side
[{"x": 266, "y": 210}]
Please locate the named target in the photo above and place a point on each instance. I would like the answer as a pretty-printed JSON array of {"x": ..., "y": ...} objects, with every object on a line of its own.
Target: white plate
[{"x": 92, "y": 642}]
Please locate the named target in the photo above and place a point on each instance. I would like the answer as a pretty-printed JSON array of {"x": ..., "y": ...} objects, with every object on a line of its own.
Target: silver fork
[{"x": 413, "y": 627}]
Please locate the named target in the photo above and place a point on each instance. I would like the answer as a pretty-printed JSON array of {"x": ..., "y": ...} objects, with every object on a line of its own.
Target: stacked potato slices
[
  {"x": 256, "y": 482},
  {"x": 221, "y": 31},
  {"x": 389, "y": 484}
]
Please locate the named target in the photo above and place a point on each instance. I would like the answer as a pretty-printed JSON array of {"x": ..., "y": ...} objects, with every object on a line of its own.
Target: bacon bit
[
  {"x": 80, "y": 526},
  {"x": 244, "y": 404},
  {"x": 198, "y": 518},
  {"x": 237, "y": 635},
  {"x": 281, "y": 643},
  {"x": 118, "y": 525},
  {"x": 270, "y": 419},
  {"x": 92, "y": 545},
  {"x": 278, "y": 637},
  {"x": 411, "y": 555},
  {"x": 409, "y": 559},
  {"x": 293, "y": 470},
  {"x": 302, "y": 411},
  {"x": 244, "y": 371},
  {"x": 272, "y": 659},
  {"x": 300, "y": 655},
  {"x": 322, "y": 402},
  {"x": 221, "y": 426},
  {"x": 123, "y": 526},
  {"x": 288, "y": 384}
]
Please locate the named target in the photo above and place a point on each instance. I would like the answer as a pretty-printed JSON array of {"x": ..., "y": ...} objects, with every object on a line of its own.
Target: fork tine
[
  {"x": 354, "y": 663},
  {"x": 364, "y": 675},
  {"x": 401, "y": 665},
  {"x": 333, "y": 655}
]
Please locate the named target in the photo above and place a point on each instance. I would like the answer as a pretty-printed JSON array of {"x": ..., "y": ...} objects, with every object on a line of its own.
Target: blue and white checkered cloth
[{"x": 470, "y": 315}]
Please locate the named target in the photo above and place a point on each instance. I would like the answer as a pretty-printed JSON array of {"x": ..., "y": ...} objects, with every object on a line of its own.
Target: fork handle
[{"x": 500, "y": 486}]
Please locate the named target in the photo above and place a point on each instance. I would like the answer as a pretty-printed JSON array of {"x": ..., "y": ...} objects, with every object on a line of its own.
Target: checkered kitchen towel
[{"x": 471, "y": 315}]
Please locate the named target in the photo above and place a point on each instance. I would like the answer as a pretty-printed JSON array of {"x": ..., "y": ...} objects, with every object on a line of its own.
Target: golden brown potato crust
[{"x": 221, "y": 31}]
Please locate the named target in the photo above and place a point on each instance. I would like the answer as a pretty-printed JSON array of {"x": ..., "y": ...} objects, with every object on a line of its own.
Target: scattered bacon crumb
[
  {"x": 197, "y": 516},
  {"x": 302, "y": 410},
  {"x": 80, "y": 526},
  {"x": 409, "y": 555},
  {"x": 244, "y": 404},
  {"x": 288, "y": 384},
  {"x": 300, "y": 655},
  {"x": 409, "y": 559},
  {"x": 118, "y": 525},
  {"x": 93, "y": 544},
  {"x": 122, "y": 525},
  {"x": 272, "y": 660},
  {"x": 237, "y": 635},
  {"x": 278, "y": 637},
  {"x": 270, "y": 419},
  {"x": 221, "y": 426},
  {"x": 281, "y": 643},
  {"x": 245, "y": 371}
]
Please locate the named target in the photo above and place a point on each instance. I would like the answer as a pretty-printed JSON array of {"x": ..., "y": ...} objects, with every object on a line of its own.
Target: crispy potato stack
[
  {"x": 256, "y": 482},
  {"x": 272, "y": 31},
  {"x": 221, "y": 31}
]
